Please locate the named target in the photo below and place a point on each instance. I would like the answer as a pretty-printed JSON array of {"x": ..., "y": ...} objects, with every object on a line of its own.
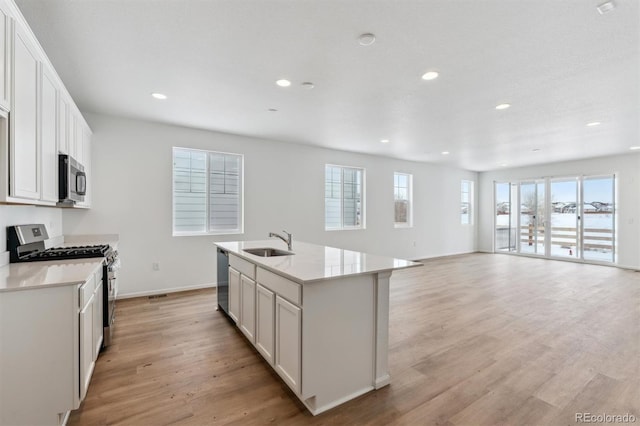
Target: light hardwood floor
[{"x": 476, "y": 339}]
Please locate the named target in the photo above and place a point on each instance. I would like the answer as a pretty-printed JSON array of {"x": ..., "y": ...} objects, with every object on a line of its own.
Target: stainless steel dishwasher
[{"x": 223, "y": 280}]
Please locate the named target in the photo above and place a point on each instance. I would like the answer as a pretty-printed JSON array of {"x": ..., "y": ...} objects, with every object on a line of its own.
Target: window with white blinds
[
  {"x": 343, "y": 198},
  {"x": 207, "y": 192}
]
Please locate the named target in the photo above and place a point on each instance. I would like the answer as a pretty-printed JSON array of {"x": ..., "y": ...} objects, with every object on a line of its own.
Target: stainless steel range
[{"x": 28, "y": 243}]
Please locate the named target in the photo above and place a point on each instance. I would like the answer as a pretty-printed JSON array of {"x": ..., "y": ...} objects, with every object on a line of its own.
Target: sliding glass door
[
  {"x": 570, "y": 218},
  {"x": 598, "y": 218},
  {"x": 506, "y": 220},
  {"x": 565, "y": 226},
  {"x": 532, "y": 217}
]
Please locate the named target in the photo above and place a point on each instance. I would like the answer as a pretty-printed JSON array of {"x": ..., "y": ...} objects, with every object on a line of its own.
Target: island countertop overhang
[{"x": 312, "y": 263}]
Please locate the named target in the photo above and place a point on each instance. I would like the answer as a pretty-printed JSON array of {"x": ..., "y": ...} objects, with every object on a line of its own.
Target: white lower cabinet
[
  {"x": 265, "y": 322},
  {"x": 248, "y": 307},
  {"x": 234, "y": 295},
  {"x": 48, "y": 348},
  {"x": 265, "y": 310},
  {"x": 288, "y": 342}
]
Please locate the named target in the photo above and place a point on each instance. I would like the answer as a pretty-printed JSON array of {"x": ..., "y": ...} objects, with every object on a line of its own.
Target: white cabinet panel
[
  {"x": 5, "y": 31},
  {"x": 248, "y": 308},
  {"x": 24, "y": 147},
  {"x": 234, "y": 295},
  {"x": 49, "y": 137},
  {"x": 265, "y": 322},
  {"x": 286, "y": 288},
  {"x": 63, "y": 125},
  {"x": 86, "y": 347},
  {"x": 288, "y": 342},
  {"x": 97, "y": 318},
  {"x": 78, "y": 133}
]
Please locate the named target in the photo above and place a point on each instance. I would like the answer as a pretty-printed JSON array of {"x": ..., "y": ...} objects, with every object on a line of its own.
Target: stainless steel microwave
[{"x": 72, "y": 180}]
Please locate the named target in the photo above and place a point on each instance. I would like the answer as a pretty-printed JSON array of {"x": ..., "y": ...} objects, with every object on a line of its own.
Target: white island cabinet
[{"x": 319, "y": 317}]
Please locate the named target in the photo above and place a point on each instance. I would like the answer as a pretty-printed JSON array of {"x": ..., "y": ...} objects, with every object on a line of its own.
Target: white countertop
[
  {"x": 313, "y": 262},
  {"x": 51, "y": 273}
]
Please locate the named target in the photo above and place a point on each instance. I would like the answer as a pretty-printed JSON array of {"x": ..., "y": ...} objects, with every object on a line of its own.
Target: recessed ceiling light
[
  {"x": 283, "y": 83},
  {"x": 366, "y": 39},
  {"x": 445, "y": 153},
  {"x": 384, "y": 140},
  {"x": 634, "y": 148},
  {"x": 430, "y": 75},
  {"x": 593, "y": 124},
  {"x": 606, "y": 7},
  {"x": 308, "y": 85},
  {"x": 160, "y": 96},
  {"x": 503, "y": 106},
  {"x": 503, "y": 165}
]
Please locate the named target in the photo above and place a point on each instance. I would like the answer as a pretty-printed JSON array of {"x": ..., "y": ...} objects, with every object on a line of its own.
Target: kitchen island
[{"x": 318, "y": 315}]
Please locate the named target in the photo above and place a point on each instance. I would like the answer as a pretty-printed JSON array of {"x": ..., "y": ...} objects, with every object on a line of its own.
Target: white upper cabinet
[
  {"x": 42, "y": 118},
  {"x": 5, "y": 71},
  {"x": 49, "y": 136},
  {"x": 24, "y": 149}
]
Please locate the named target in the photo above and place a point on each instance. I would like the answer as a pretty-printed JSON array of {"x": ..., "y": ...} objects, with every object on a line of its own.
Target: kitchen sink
[{"x": 267, "y": 252}]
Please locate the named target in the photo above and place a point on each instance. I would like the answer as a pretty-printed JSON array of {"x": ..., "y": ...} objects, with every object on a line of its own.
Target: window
[
  {"x": 466, "y": 205},
  {"x": 207, "y": 192},
  {"x": 402, "y": 194},
  {"x": 343, "y": 198}
]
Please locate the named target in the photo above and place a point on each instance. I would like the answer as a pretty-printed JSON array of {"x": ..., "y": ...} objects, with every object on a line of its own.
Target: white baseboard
[
  {"x": 610, "y": 265},
  {"x": 165, "y": 291},
  {"x": 629, "y": 267},
  {"x": 438, "y": 256}
]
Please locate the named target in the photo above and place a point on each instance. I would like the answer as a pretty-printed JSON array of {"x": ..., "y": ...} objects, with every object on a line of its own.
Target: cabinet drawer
[
  {"x": 280, "y": 285},
  {"x": 86, "y": 291},
  {"x": 246, "y": 268}
]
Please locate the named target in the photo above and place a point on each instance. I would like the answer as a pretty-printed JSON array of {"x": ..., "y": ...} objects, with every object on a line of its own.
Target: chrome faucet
[{"x": 286, "y": 240}]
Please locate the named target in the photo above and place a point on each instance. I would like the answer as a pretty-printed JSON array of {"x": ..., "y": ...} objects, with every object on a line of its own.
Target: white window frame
[
  {"x": 342, "y": 227},
  {"x": 409, "y": 222},
  {"x": 471, "y": 201},
  {"x": 208, "y": 230}
]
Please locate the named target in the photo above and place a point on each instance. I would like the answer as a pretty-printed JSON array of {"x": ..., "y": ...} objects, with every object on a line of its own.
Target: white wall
[
  {"x": 21, "y": 215},
  {"x": 627, "y": 169},
  {"x": 284, "y": 189}
]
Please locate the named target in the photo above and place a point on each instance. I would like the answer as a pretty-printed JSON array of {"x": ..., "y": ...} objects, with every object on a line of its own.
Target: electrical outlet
[
  {"x": 414, "y": 243},
  {"x": 155, "y": 266}
]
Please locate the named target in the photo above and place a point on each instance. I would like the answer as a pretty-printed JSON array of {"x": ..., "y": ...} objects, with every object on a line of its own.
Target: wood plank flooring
[{"x": 477, "y": 339}]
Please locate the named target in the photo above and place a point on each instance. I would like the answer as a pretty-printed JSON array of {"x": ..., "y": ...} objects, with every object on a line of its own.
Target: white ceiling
[{"x": 558, "y": 62}]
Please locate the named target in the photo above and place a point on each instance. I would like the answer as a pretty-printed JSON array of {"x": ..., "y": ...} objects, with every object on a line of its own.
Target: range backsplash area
[{"x": 21, "y": 215}]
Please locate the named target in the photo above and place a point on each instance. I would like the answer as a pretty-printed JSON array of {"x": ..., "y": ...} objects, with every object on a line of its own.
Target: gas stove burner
[{"x": 75, "y": 252}]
